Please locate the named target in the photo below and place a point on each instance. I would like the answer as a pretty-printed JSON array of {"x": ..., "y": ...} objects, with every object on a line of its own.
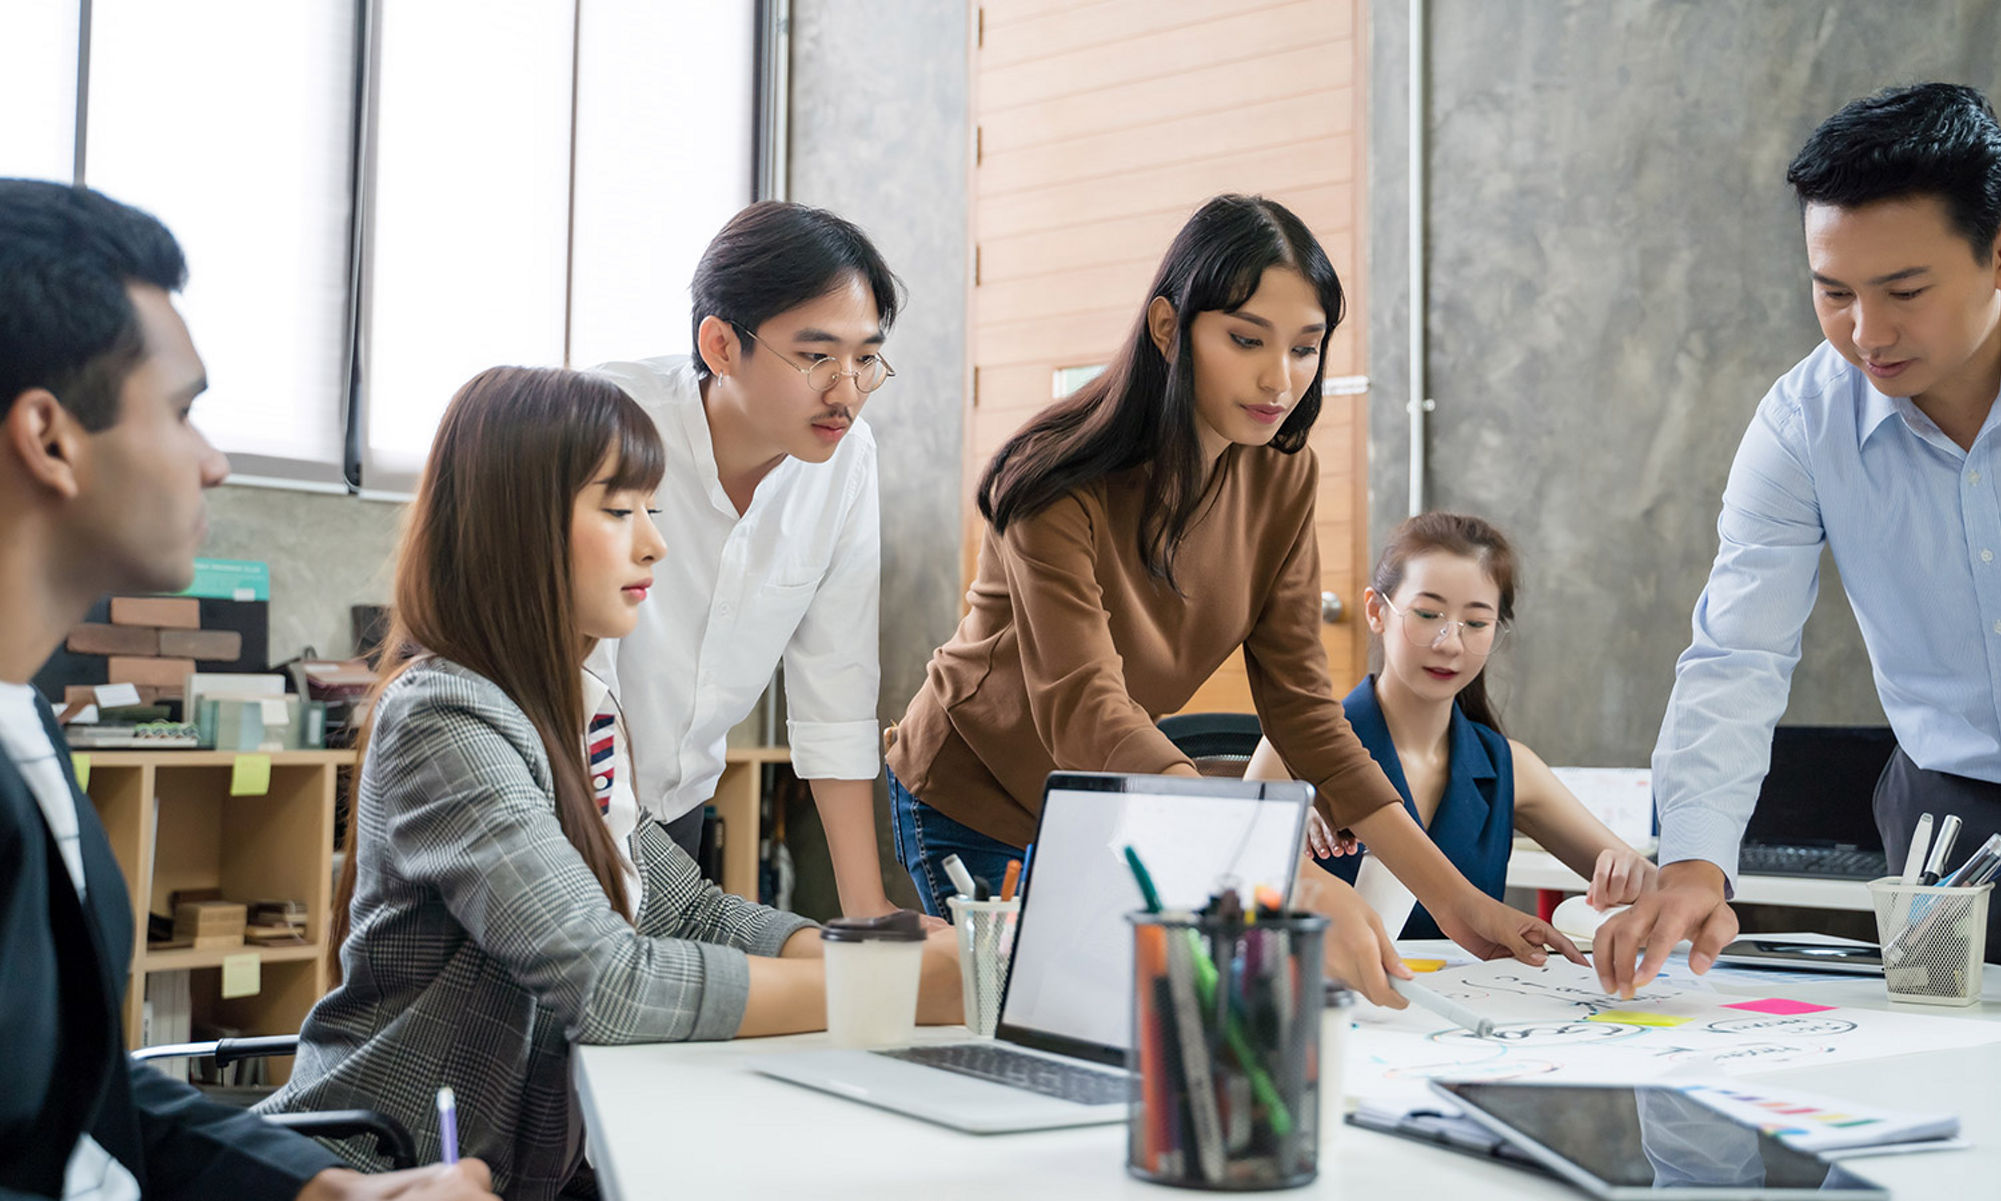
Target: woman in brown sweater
[{"x": 1139, "y": 533}]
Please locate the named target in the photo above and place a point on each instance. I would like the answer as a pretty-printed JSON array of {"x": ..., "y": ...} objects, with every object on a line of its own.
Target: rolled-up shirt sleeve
[
  {"x": 832, "y": 664},
  {"x": 1731, "y": 683}
]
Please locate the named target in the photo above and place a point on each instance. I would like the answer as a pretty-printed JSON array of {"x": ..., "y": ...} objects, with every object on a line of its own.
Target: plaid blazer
[{"x": 481, "y": 947}]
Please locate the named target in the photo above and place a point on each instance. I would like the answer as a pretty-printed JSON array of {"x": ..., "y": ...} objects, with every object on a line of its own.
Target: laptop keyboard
[
  {"x": 1036, "y": 1073},
  {"x": 1843, "y": 863}
]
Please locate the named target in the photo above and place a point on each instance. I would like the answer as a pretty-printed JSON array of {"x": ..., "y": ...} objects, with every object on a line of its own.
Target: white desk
[
  {"x": 1540, "y": 869},
  {"x": 691, "y": 1120}
]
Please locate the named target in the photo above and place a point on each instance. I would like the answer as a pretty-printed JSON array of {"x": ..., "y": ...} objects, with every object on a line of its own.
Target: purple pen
[{"x": 448, "y": 1126}]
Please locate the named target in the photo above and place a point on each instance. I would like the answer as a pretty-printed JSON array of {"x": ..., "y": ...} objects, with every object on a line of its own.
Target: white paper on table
[
  {"x": 1385, "y": 894},
  {"x": 1621, "y": 797},
  {"x": 1546, "y": 1029}
]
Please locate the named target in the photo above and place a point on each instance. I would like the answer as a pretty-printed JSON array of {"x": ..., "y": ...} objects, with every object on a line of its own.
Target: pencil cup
[
  {"x": 986, "y": 944},
  {"x": 873, "y": 965},
  {"x": 1934, "y": 940},
  {"x": 1225, "y": 1051}
]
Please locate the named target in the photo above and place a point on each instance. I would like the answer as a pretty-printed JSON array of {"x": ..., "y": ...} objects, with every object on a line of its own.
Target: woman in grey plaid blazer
[{"x": 486, "y": 911}]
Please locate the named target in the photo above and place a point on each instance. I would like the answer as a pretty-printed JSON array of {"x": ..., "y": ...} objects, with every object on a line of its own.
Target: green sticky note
[
  {"x": 1630, "y": 1018},
  {"x": 80, "y": 763},
  {"x": 242, "y": 975},
  {"x": 251, "y": 775}
]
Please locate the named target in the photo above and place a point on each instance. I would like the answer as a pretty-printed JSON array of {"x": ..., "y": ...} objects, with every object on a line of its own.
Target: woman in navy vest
[{"x": 1441, "y": 597}]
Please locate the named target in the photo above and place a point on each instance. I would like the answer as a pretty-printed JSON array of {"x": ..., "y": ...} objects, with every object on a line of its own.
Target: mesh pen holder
[
  {"x": 1934, "y": 940},
  {"x": 986, "y": 944}
]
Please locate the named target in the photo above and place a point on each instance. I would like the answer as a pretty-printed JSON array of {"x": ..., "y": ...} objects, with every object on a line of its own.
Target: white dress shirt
[
  {"x": 91, "y": 1175},
  {"x": 1914, "y": 523},
  {"x": 797, "y": 576}
]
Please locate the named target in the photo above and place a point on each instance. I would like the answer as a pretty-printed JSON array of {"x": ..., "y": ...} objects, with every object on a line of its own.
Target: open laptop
[
  {"x": 1815, "y": 814},
  {"x": 1058, "y": 1055}
]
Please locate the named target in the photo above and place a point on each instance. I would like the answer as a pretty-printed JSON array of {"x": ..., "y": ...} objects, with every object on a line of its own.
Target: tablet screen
[{"x": 1651, "y": 1140}]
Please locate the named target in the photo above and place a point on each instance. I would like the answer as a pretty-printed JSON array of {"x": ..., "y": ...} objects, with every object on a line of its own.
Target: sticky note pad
[
  {"x": 1424, "y": 965},
  {"x": 242, "y": 975},
  {"x": 250, "y": 776},
  {"x": 1779, "y": 1005},
  {"x": 81, "y": 765},
  {"x": 1631, "y": 1018}
]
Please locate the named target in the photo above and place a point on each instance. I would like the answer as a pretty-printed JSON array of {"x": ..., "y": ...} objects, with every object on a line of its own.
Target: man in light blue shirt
[{"x": 1883, "y": 444}]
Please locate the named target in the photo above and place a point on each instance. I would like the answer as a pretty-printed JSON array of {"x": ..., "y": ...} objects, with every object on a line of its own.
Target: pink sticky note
[{"x": 1779, "y": 1005}]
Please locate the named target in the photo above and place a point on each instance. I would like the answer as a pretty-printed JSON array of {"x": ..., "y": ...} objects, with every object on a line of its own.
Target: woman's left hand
[
  {"x": 1622, "y": 874},
  {"x": 1327, "y": 842}
]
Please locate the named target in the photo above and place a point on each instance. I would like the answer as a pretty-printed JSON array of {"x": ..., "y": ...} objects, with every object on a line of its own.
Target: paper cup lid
[{"x": 902, "y": 926}]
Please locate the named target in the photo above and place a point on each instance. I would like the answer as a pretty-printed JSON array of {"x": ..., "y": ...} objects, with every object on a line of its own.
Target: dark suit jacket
[{"x": 63, "y": 967}]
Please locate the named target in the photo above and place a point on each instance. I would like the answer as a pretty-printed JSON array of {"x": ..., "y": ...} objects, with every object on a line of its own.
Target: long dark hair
[
  {"x": 483, "y": 573},
  {"x": 1469, "y": 537},
  {"x": 1141, "y": 410}
]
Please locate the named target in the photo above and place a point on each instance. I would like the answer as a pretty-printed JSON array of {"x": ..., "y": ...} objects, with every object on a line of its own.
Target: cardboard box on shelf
[
  {"x": 209, "y": 923},
  {"x": 209, "y": 646},
  {"x": 173, "y": 612},
  {"x": 92, "y": 638}
]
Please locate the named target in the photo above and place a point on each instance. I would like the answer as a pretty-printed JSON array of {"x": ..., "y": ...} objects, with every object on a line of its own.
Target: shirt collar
[
  {"x": 1469, "y": 757},
  {"x": 702, "y": 446}
]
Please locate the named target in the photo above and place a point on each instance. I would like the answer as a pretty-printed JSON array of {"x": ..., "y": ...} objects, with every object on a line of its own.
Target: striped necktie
[{"x": 598, "y": 746}]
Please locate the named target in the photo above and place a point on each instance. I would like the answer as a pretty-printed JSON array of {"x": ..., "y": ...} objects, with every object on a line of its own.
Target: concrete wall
[
  {"x": 1616, "y": 277},
  {"x": 325, "y": 553},
  {"x": 880, "y": 134}
]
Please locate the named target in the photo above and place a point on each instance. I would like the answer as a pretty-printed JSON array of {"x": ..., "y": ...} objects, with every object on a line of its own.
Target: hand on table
[
  {"x": 466, "y": 1180},
  {"x": 1492, "y": 930},
  {"x": 1687, "y": 902}
]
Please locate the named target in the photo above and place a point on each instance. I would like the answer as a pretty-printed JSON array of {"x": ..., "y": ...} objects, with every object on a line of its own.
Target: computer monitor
[{"x": 1821, "y": 787}]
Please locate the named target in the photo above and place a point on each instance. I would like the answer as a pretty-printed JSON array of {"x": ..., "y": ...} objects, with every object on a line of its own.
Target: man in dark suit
[{"x": 101, "y": 482}]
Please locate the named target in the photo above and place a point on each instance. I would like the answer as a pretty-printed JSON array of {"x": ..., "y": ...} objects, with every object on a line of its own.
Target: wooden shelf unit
[
  {"x": 739, "y": 796},
  {"x": 275, "y": 845}
]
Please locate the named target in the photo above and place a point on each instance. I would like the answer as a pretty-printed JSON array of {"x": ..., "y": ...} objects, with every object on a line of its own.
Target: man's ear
[
  {"x": 1161, "y": 326},
  {"x": 45, "y": 439},
  {"x": 717, "y": 343}
]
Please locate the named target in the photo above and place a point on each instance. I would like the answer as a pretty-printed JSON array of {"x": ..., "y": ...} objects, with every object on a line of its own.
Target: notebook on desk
[
  {"x": 1058, "y": 1055},
  {"x": 1815, "y": 814}
]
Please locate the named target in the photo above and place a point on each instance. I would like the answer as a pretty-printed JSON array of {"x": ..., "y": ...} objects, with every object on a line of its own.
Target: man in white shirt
[
  {"x": 101, "y": 482},
  {"x": 770, "y": 514}
]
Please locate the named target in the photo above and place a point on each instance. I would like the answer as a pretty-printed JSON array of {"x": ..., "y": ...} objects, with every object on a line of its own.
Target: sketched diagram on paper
[{"x": 1555, "y": 1022}]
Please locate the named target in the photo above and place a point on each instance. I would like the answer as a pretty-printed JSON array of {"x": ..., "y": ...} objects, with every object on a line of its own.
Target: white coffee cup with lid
[{"x": 873, "y": 966}]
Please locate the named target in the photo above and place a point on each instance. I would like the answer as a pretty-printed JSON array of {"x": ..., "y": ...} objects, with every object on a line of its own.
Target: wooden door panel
[{"x": 1099, "y": 129}]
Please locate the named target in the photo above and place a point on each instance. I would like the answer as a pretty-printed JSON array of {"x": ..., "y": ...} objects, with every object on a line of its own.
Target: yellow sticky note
[
  {"x": 250, "y": 776},
  {"x": 1424, "y": 965},
  {"x": 242, "y": 975},
  {"x": 81, "y": 764},
  {"x": 1631, "y": 1018}
]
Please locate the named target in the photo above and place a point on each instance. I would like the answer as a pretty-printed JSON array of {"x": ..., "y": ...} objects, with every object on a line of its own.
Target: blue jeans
[{"x": 925, "y": 836}]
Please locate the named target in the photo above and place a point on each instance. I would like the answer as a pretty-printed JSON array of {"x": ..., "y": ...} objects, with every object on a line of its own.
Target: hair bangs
[{"x": 642, "y": 460}]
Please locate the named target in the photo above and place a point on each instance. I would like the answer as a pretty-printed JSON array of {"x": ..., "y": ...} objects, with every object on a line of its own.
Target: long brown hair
[
  {"x": 1141, "y": 409},
  {"x": 1469, "y": 537},
  {"x": 483, "y": 573}
]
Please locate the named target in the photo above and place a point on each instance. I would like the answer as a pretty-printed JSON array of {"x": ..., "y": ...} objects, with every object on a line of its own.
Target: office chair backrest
[{"x": 1221, "y": 744}]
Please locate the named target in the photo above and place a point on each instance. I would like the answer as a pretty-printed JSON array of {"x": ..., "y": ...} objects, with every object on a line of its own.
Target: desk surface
[{"x": 693, "y": 1120}]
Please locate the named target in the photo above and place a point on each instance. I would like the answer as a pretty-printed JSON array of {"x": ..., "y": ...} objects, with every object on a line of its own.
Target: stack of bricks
[{"x": 153, "y": 643}]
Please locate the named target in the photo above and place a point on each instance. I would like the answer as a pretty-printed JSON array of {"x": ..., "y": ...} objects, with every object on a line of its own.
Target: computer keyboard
[
  {"x": 1036, "y": 1073},
  {"x": 1841, "y": 863}
]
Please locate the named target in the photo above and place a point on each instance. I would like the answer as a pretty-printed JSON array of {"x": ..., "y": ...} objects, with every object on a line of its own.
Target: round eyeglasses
[
  {"x": 824, "y": 375},
  {"x": 1428, "y": 628}
]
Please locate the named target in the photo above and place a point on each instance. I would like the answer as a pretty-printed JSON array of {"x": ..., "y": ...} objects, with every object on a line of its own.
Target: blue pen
[
  {"x": 1027, "y": 857},
  {"x": 448, "y": 1126}
]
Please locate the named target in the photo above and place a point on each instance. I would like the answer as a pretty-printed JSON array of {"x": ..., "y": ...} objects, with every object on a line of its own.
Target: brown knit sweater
[{"x": 1070, "y": 651}]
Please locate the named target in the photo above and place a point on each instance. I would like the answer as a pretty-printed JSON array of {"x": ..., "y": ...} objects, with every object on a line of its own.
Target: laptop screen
[
  {"x": 1070, "y": 984},
  {"x": 1821, "y": 787}
]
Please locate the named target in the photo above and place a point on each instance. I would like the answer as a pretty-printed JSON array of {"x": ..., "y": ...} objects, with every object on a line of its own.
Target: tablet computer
[
  {"x": 1626, "y": 1142},
  {"x": 1765, "y": 951}
]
